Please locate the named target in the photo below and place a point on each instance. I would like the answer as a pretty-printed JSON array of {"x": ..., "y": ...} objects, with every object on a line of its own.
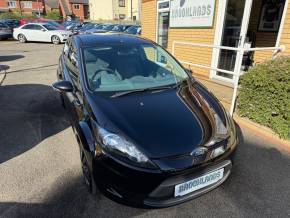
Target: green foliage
[
  {"x": 53, "y": 15},
  {"x": 265, "y": 95},
  {"x": 16, "y": 15}
]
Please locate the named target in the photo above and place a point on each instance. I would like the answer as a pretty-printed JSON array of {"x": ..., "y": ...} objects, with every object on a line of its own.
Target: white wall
[{"x": 101, "y": 9}]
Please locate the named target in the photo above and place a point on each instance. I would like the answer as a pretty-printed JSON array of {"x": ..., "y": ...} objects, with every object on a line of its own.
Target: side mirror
[
  {"x": 63, "y": 86},
  {"x": 43, "y": 30}
]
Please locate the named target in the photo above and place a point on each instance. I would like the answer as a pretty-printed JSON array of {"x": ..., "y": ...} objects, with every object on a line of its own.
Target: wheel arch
[
  {"x": 52, "y": 35},
  {"x": 86, "y": 137}
]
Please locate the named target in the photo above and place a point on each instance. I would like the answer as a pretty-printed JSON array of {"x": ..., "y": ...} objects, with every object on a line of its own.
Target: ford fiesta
[{"x": 149, "y": 134}]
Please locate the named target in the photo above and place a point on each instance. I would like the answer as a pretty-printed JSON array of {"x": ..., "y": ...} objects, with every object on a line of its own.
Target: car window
[
  {"x": 50, "y": 27},
  {"x": 72, "y": 60},
  {"x": 28, "y": 27},
  {"x": 66, "y": 48},
  {"x": 132, "y": 30},
  {"x": 118, "y": 67},
  {"x": 38, "y": 27},
  {"x": 2, "y": 25}
]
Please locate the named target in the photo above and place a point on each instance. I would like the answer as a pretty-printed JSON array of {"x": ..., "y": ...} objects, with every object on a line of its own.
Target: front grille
[{"x": 166, "y": 189}]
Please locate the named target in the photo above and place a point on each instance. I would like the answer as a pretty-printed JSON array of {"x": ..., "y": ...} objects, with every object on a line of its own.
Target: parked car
[
  {"x": 5, "y": 31},
  {"x": 41, "y": 32},
  {"x": 134, "y": 30},
  {"x": 148, "y": 132},
  {"x": 97, "y": 29},
  {"x": 12, "y": 23},
  {"x": 70, "y": 25},
  {"x": 109, "y": 27},
  {"x": 120, "y": 28},
  {"x": 85, "y": 28}
]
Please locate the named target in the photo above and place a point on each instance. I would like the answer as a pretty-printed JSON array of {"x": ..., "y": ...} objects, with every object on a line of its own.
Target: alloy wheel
[
  {"x": 55, "y": 40},
  {"x": 21, "y": 38}
]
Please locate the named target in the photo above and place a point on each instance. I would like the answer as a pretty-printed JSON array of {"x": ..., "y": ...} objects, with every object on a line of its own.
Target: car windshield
[
  {"x": 109, "y": 27},
  {"x": 118, "y": 28},
  {"x": 50, "y": 27},
  {"x": 53, "y": 23},
  {"x": 128, "y": 67},
  {"x": 132, "y": 30},
  {"x": 88, "y": 26}
]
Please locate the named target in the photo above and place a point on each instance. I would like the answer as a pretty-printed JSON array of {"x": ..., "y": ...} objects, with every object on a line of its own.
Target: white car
[{"x": 40, "y": 32}]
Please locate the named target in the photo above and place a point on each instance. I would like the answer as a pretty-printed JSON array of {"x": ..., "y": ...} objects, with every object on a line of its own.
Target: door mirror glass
[{"x": 63, "y": 86}]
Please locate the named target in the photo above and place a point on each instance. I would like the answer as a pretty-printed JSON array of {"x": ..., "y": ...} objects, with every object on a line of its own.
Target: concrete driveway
[{"x": 40, "y": 173}]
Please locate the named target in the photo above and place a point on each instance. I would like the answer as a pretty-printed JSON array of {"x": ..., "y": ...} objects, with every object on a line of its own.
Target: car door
[
  {"x": 41, "y": 34},
  {"x": 28, "y": 32},
  {"x": 73, "y": 101}
]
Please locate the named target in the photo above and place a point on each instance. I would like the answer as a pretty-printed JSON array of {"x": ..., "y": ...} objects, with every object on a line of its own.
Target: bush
[
  {"x": 265, "y": 95},
  {"x": 16, "y": 15},
  {"x": 53, "y": 15}
]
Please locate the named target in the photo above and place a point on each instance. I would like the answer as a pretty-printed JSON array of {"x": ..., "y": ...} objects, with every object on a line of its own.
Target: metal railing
[{"x": 239, "y": 58}]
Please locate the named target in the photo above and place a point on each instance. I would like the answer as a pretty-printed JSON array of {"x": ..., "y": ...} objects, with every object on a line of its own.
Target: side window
[
  {"x": 155, "y": 56},
  {"x": 72, "y": 61},
  {"x": 38, "y": 27},
  {"x": 28, "y": 27},
  {"x": 66, "y": 48}
]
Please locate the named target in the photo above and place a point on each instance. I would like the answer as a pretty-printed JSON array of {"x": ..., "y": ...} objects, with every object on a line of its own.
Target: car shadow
[
  {"x": 29, "y": 113},
  {"x": 5, "y": 58},
  {"x": 69, "y": 198}
]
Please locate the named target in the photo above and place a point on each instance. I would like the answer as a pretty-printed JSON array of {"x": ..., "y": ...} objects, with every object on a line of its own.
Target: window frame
[
  {"x": 122, "y": 3},
  {"x": 77, "y": 6},
  {"x": 26, "y": 2},
  {"x": 12, "y": 4}
]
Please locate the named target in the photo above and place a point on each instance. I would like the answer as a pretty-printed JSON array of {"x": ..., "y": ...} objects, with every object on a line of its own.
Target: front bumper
[
  {"x": 65, "y": 38},
  {"x": 6, "y": 35},
  {"x": 147, "y": 188}
]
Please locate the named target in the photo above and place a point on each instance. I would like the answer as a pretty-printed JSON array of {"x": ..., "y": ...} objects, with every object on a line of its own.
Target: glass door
[
  {"x": 163, "y": 23},
  {"x": 234, "y": 28}
]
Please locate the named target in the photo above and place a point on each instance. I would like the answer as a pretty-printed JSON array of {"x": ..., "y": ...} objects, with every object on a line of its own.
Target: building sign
[{"x": 192, "y": 13}]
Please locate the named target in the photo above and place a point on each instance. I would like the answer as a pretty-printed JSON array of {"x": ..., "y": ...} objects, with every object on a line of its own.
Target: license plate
[{"x": 198, "y": 183}]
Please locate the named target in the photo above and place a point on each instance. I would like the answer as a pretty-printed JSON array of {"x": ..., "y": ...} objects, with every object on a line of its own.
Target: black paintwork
[{"x": 166, "y": 126}]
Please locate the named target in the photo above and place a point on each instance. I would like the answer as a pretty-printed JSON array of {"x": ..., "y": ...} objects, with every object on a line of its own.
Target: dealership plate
[{"x": 199, "y": 183}]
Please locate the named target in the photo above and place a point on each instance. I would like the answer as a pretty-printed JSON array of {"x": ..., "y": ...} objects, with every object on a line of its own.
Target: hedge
[
  {"x": 53, "y": 15},
  {"x": 16, "y": 15},
  {"x": 265, "y": 95}
]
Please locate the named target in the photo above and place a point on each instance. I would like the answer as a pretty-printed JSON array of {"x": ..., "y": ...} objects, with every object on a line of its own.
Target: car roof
[
  {"x": 101, "y": 38},
  {"x": 36, "y": 23}
]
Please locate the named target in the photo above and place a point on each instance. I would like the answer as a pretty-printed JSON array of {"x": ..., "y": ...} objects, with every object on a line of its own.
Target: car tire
[
  {"x": 55, "y": 40},
  {"x": 87, "y": 175},
  {"x": 22, "y": 38}
]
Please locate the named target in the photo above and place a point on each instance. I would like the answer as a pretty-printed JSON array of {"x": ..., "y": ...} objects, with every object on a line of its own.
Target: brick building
[
  {"x": 233, "y": 24},
  {"x": 51, "y": 5},
  {"x": 75, "y": 9},
  {"x": 32, "y": 6}
]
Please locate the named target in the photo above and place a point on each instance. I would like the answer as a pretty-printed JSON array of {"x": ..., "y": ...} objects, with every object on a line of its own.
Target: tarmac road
[{"x": 40, "y": 173}]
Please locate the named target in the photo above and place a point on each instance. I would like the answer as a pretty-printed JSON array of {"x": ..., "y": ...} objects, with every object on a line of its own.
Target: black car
[
  {"x": 12, "y": 23},
  {"x": 5, "y": 31},
  {"x": 149, "y": 134}
]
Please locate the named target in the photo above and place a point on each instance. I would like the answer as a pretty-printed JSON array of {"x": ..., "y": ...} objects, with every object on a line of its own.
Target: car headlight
[
  {"x": 64, "y": 35},
  {"x": 222, "y": 132},
  {"x": 122, "y": 149}
]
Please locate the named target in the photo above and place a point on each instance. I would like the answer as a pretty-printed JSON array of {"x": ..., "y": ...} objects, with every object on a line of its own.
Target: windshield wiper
[{"x": 122, "y": 93}]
